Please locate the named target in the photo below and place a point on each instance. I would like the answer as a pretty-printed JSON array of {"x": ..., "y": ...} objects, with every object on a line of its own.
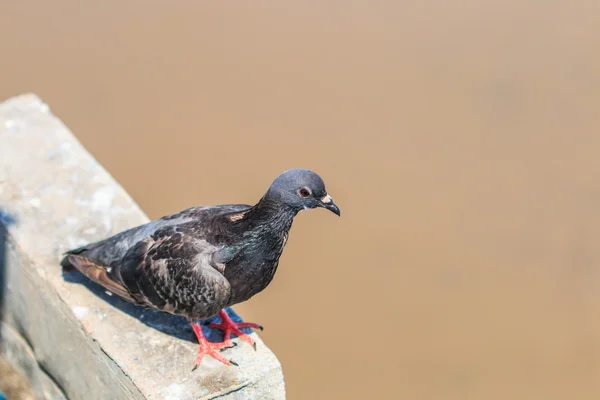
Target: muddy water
[{"x": 460, "y": 140}]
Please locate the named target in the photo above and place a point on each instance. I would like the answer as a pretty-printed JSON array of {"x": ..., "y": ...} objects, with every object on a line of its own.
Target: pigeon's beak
[{"x": 327, "y": 202}]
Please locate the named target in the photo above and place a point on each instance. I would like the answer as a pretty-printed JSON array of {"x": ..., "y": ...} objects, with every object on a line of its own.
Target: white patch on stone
[
  {"x": 155, "y": 341},
  {"x": 35, "y": 203},
  {"x": 107, "y": 222},
  {"x": 103, "y": 198},
  {"x": 109, "y": 269},
  {"x": 90, "y": 231},
  {"x": 174, "y": 391},
  {"x": 80, "y": 312}
]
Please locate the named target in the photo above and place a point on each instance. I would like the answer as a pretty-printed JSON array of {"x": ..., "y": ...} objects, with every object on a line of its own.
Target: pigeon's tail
[
  {"x": 97, "y": 273},
  {"x": 82, "y": 251}
]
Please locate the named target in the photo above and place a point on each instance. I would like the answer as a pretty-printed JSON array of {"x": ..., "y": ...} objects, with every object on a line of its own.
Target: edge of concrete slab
[{"x": 55, "y": 196}]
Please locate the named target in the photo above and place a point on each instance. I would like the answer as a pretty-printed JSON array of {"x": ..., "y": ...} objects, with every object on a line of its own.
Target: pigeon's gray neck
[
  {"x": 269, "y": 220},
  {"x": 271, "y": 214}
]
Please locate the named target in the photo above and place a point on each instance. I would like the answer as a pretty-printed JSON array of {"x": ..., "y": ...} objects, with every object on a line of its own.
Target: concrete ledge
[
  {"x": 18, "y": 351},
  {"x": 81, "y": 343}
]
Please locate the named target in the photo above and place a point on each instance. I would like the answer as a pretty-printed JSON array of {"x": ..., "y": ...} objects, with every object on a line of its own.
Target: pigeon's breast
[{"x": 253, "y": 270}]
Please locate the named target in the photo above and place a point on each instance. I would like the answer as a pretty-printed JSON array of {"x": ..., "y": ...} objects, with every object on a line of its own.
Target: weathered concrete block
[{"x": 86, "y": 343}]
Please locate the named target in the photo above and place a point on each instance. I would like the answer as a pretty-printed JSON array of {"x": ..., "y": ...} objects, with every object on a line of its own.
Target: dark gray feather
[{"x": 203, "y": 259}]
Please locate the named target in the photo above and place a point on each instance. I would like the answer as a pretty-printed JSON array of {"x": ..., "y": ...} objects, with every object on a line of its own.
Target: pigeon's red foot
[
  {"x": 210, "y": 348},
  {"x": 229, "y": 327}
]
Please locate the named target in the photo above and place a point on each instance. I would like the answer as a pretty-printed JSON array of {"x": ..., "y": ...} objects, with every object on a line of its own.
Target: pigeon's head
[{"x": 301, "y": 189}]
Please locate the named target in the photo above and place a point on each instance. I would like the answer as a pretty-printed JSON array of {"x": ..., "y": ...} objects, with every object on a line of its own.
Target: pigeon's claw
[
  {"x": 229, "y": 327},
  {"x": 210, "y": 348}
]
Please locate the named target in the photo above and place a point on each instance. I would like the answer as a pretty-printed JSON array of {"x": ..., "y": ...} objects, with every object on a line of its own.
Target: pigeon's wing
[
  {"x": 174, "y": 271},
  {"x": 111, "y": 250}
]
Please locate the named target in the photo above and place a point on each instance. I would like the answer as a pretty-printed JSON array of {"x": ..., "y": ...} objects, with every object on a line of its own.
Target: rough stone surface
[
  {"x": 54, "y": 196},
  {"x": 22, "y": 358}
]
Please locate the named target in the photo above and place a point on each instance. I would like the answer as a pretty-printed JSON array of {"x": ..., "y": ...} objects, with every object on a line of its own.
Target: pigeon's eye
[{"x": 304, "y": 192}]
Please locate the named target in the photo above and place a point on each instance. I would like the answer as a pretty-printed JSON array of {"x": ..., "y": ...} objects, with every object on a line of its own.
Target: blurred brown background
[{"x": 460, "y": 139}]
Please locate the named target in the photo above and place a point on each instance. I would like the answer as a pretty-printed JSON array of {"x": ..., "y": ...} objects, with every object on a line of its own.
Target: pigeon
[{"x": 200, "y": 261}]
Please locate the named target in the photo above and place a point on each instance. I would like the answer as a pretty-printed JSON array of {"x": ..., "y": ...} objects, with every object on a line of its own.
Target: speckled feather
[{"x": 203, "y": 259}]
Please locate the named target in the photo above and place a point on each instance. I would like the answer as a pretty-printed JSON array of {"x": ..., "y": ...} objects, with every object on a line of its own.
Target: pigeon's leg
[
  {"x": 229, "y": 327},
  {"x": 209, "y": 348}
]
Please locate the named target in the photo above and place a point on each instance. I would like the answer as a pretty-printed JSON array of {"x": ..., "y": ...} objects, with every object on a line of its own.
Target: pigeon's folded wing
[{"x": 174, "y": 272}]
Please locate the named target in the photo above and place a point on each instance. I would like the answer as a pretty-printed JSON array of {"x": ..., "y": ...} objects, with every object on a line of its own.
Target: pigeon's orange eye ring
[{"x": 304, "y": 192}]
